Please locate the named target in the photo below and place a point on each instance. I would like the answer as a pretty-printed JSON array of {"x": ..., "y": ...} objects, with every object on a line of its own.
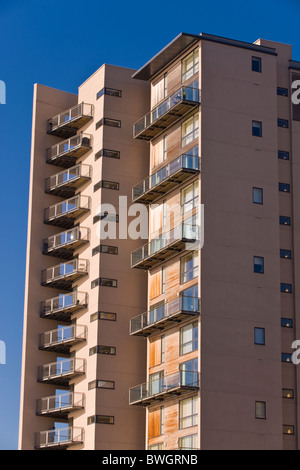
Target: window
[
  {"x": 287, "y": 288},
  {"x": 257, "y": 128},
  {"x": 100, "y": 419},
  {"x": 164, "y": 213},
  {"x": 108, "y": 350},
  {"x": 159, "y": 90},
  {"x": 109, "y": 91},
  {"x": 259, "y": 336},
  {"x": 188, "y": 412},
  {"x": 286, "y": 357},
  {"x": 189, "y": 267},
  {"x": 104, "y": 282},
  {"x": 188, "y": 338},
  {"x": 283, "y": 155},
  {"x": 162, "y": 420},
  {"x": 284, "y": 187},
  {"x": 162, "y": 348},
  {"x": 97, "y": 186},
  {"x": 111, "y": 250},
  {"x": 257, "y": 195},
  {"x": 287, "y": 393},
  {"x": 159, "y": 446},
  {"x": 155, "y": 382},
  {"x": 190, "y": 65},
  {"x": 284, "y": 220},
  {"x": 107, "y": 153},
  {"x": 190, "y": 130},
  {"x": 106, "y": 384},
  {"x": 190, "y": 197},
  {"x": 256, "y": 64},
  {"x": 165, "y": 84},
  {"x": 288, "y": 429},
  {"x": 189, "y": 372},
  {"x": 260, "y": 410},
  {"x": 108, "y": 122},
  {"x": 109, "y": 185},
  {"x": 283, "y": 123},
  {"x": 286, "y": 323},
  {"x": 108, "y": 217},
  {"x": 188, "y": 442},
  {"x": 258, "y": 263},
  {"x": 286, "y": 254},
  {"x": 103, "y": 316},
  {"x": 164, "y": 147},
  {"x": 163, "y": 280},
  {"x": 282, "y": 91}
]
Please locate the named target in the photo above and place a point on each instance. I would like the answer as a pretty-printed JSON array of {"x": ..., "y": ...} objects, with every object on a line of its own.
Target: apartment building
[{"x": 205, "y": 310}]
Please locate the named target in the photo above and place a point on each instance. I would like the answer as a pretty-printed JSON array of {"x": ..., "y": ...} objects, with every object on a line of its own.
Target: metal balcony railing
[
  {"x": 67, "y": 123},
  {"x": 59, "y": 373},
  {"x": 62, "y": 275},
  {"x": 58, "y": 406},
  {"x": 61, "y": 339},
  {"x": 66, "y": 212},
  {"x": 65, "y": 153},
  {"x": 66, "y": 182},
  {"x": 61, "y": 307},
  {"x": 166, "y": 179},
  {"x": 163, "y": 387},
  {"x": 59, "y": 438},
  {"x": 62, "y": 245},
  {"x": 162, "y": 248},
  {"x": 171, "y": 110},
  {"x": 163, "y": 315}
]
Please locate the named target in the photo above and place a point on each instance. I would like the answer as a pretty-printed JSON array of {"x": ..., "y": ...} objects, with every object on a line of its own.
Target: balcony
[
  {"x": 60, "y": 438},
  {"x": 66, "y": 212},
  {"x": 168, "y": 314},
  {"x": 58, "y": 406},
  {"x": 66, "y": 153},
  {"x": 166, "y": 179},
  {"x": 62, "y": 307},
  {"x": 167, "y": 245},
  {"x": 61, "y": 339},
  {"x": 67, "y": 123},
  {"x": 65, "y": 183},
  {"x": 60, "y": 373},
  {"x": 62, "y": 245},
  {"x": 164, "y": 387},
  {"x": 63, "y": 275},
  {"x": 168, "y": 112}
]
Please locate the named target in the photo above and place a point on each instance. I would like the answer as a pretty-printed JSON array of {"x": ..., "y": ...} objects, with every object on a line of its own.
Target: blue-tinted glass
[{"x": 259, "y": 335}]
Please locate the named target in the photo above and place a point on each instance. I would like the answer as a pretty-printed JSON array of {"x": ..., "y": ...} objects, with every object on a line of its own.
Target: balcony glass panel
[
  {"x": 69, "y": 208},
  {"x": 73, "y": 148},
  {"x": 63, "y": 304},
  {"x": 66, "y": 367},
  {"x": 68, "y": 239},
  {"x": 64, "y": 270},
  {"x": 72, "y": 178},
  {"x": 62, "y": 335},
  {"x": 59, "y": 437},
  {"x": 69, "y": 121},
  {"x": 57, "y": 404}
]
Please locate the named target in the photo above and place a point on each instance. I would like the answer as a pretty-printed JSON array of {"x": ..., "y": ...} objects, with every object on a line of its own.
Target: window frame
[
  {"x": 256, "y": 60},
  {"x": 260, "y": 132},
  {"x": 193, "y": 417},
  {"x": 190, "y": 343},
  {"x": 261, "y": 192},
  {"x": 262, "y": 265},
  {"x": 259, "y": 415},
  {"x": 194, "y": 68},
  {"x": 194, "y": 255},
  {"x": 257, "y": 342}
]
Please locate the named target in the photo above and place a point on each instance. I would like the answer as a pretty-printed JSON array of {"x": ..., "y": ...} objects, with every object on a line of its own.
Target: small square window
[
  {"x": 286, "y": 323},
  {"x": 283, "y": 155},
  {"x": 257, "y": 195},
  {"x": 283, "y": 220},
  {"x": 286, "y": 254},
  {"x": 286, "y": 288},
  {"x": 282, "y": 91},
  {"x": 283, "y": 123},
  {"x": 286, "y": 357},
  {"x": 284, "y": 187},
  {"x": 288, "y": 429},
  {"x": 258, "y": 263},
  {"x": 256, "y": 64},
  {"x": 257, "y": 128},
  {"x": 288, "y": 393},
  {"x": 110, "y": 185},
  {"x": 260, "y": 410},
  {"x": 259, "y": 336}
]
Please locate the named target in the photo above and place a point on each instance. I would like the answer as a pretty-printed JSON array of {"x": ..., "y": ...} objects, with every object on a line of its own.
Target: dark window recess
[
  {"x": 288, "y": 393},
  {"x": 101, "y": 419},
  {"x": 257, "y": 195},
  {"x": 256, "y": 64},
  {"x": 104, "y": 282},
  {"x": 107, "y": 153},
  {"x": 283, "y": 155},
  {"x": 286, "y": 288},
  {"x": 286, "y": 357},
  {"x": 287, "y": 323},
  {"x": 108, "y": 122},
  {"x": 284, "y": 220},
  {"x": 284, "y": 187},
  {"x": 109, "y": 91},
  {"x": 106, "y": 185},
  {"x": 97, "y": 186},
  {"x": 259, "y": 336},
  {"x": 258, "y": 263},
  {"x": 106, "y": 384},
  {"x": 283, "y": 123},
  {"x": 282, "y": 91},
  {"x": 109, "y": 350},
  {"x": 112, "y": 250},
  {"x": 103, "y": 316},
  {"x": 287, "y": 254},
  {"x": 288, "y": 429},
  {"x": 107, "y": 217},
  {"x": 257, "y": 128}
]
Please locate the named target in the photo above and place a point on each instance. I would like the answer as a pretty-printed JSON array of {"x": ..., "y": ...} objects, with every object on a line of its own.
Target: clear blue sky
[{"x": 60, "y": 44}]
